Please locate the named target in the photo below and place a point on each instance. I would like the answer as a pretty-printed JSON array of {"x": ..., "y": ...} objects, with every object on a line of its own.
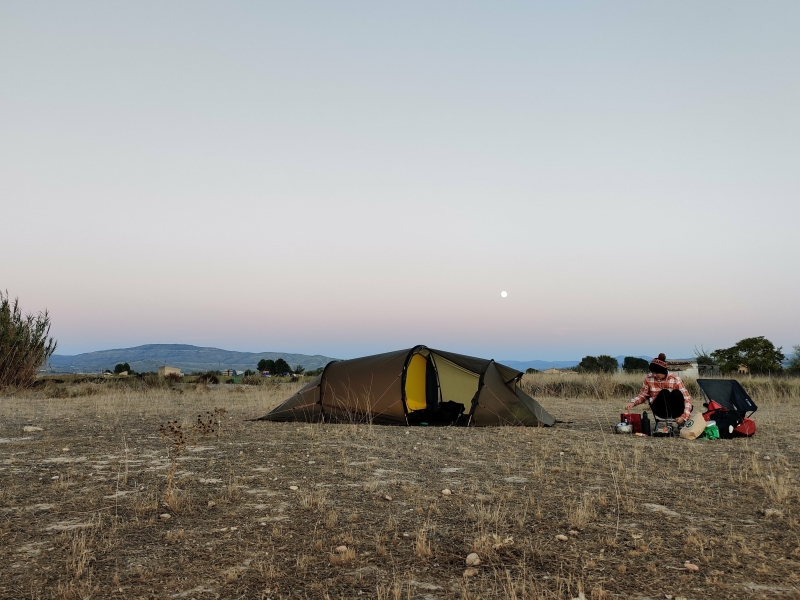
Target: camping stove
[{"x": 663, "y": 430}]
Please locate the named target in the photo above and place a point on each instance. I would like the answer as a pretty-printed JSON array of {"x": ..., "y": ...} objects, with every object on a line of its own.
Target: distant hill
[
  {"x": 542, "y": 365},
  {"x": 195, "y": 358},
  {"x": 188, "y": 358}
]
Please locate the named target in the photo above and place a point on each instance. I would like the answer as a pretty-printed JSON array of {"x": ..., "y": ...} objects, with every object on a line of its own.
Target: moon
[{"x": 503, "y": 294}]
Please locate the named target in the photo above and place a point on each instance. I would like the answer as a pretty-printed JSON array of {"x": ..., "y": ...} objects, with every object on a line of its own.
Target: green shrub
[
  {"x": 25, "y": 344},
  {"x": 209, "y": 377},
  {"x": 634, "y": 364},
  {"x": 598, "y": 364}
]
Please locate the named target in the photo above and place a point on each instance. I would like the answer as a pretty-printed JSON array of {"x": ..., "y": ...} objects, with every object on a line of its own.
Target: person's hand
[
  {"x": 680, "y": 420},
  {"x": 629, "y": 406}
]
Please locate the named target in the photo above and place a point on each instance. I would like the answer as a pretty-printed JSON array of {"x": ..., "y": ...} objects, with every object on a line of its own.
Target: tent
[{"x": 415, "y": 386}]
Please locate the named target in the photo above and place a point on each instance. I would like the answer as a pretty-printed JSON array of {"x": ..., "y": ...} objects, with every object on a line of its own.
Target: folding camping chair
[{"x": 729, "y": 405}]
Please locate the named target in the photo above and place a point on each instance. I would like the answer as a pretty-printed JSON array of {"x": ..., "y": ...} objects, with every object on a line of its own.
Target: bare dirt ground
[{"x": 277, "y": 510}]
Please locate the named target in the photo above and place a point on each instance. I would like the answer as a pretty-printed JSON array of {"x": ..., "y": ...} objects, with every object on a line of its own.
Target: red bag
[
  {"x": 634, "y": 419},
  {"x": 747, "y": 428}
]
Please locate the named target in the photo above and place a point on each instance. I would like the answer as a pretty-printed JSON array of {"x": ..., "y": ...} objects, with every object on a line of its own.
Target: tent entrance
[
  {"x": 437, "y": 391},
  {"x": 456, "y": 383}
]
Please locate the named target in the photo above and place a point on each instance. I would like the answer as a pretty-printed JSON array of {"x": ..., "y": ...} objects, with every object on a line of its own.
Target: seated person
[{"x": 663, "y": 391}]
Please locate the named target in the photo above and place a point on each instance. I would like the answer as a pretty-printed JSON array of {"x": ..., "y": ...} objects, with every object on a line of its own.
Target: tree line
[
  {"x": 608, "y": 364},
  {"x": 281, "y": 367},
  {"x": 757, "y": 354}
]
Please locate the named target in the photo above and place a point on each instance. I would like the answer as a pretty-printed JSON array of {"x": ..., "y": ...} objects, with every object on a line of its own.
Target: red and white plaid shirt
[{"x": 651, "y": 387}]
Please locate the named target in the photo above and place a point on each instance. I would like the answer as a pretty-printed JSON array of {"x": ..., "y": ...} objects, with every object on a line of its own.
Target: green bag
[{"x": 711, "y": 432}]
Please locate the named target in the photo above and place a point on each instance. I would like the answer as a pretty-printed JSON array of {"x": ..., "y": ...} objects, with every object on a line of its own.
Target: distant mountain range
[
  {"x": 543, "y": 365},
  {"x": 188, "y": 358},
  {"x": 195, "y": 358}
]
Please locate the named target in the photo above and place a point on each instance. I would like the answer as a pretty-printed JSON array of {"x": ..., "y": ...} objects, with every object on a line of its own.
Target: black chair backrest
[{"x": 729, "y": 393}]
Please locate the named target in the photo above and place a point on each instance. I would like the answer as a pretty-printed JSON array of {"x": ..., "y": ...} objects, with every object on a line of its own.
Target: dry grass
[
  {"x": 83, "y": 503},
  {"x": 622, "y": 385}
]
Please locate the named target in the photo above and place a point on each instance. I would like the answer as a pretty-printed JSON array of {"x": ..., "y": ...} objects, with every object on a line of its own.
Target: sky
[{"x": 346, "y": 178}]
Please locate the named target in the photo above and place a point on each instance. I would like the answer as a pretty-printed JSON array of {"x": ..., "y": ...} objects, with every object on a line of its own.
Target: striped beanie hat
[{"x": 659, "y": 365}]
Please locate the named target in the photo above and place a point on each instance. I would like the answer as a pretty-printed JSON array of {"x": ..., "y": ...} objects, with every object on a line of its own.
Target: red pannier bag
[{"x": 747, "y": 428}]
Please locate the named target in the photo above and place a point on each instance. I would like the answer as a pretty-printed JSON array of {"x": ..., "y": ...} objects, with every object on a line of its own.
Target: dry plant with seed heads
[
  {"x": 205, "y": 425},
  {"x": 210, "y": 423},
  {"x": 174, "y": 437}
]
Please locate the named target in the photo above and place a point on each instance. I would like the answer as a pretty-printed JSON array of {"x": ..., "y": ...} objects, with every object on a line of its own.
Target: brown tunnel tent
[{"x": 419, "y": 386}]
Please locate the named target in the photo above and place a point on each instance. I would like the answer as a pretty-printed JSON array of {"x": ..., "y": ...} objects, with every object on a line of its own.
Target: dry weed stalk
[
  {"x": 210, "y": 423},
  {"x": 779, "y": 489},
  {"x": 63, "y": 482},
  {"x": 581, "y": 513},
  {"x": 175, "y": 439},
  {"x": 344, "y": 557},
  {"x": 373, "y": 485},
  {"x": 331, "y": 518},
  {"x": 422, "y": 547},
  {"x": 313, "y": 500},
  {"x": 80, "y": 555},
  {"x": 233, "y": 491}
]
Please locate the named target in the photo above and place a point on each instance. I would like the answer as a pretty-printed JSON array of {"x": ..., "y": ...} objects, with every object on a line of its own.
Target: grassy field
[{"x": 99, "y": 504}]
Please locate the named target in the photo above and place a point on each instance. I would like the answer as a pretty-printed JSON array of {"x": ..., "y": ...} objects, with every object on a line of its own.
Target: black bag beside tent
[
  {"x": 447, "y": 413},
  {"x": 727, "y": 422}
]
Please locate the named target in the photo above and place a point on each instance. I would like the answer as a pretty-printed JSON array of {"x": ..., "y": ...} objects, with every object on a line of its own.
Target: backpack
[{"x": 727, "y": 422}]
